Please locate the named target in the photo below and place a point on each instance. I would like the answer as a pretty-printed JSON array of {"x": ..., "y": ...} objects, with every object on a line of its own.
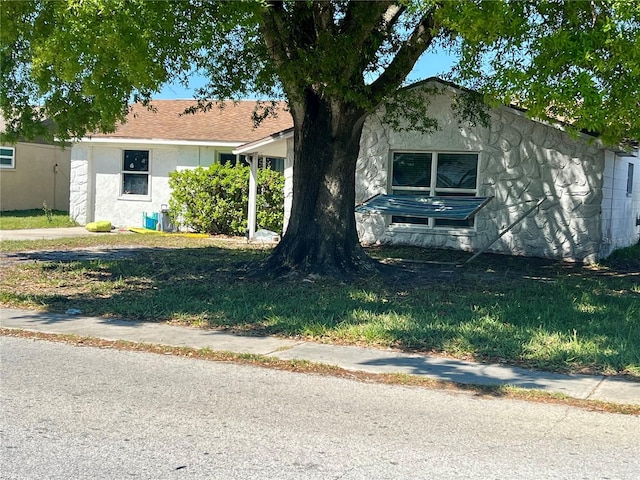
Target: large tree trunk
[{"x": 321, "y": 236}]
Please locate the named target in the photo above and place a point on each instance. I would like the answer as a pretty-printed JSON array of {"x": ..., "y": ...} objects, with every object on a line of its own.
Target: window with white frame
[
  {"x": 434, "y": 174},
  {"x": 7, "y": 157},
  {"x": 135, "y": 172}
]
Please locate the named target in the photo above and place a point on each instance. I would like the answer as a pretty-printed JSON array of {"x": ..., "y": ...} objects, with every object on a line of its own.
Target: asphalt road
[{"x": 79, "y": 412}]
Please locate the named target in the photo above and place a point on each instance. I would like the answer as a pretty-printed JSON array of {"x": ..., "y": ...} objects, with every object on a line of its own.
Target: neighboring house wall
[
  {"x": 621, "y": 201},
  {"x": 519, "y": 161},
  {"x": 98, "y": 187},
  {"x": 40, "y": 173}
]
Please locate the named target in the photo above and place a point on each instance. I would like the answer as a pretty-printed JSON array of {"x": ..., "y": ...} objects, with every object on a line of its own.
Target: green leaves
[
  {"x": 79, "y": 63},
  {"x": 575, "y": 61},
  {"x": 215, "y": 200}
]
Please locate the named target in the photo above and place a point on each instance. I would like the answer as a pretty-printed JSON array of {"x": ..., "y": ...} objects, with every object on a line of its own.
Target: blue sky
[{"x": 431, "y": 64}]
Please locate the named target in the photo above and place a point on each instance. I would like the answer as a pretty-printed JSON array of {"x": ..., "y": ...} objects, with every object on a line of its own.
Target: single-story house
[
  {"x": 32, "y": 174},
  {"x": 123, "y": 175},
  {"x": 591, "y": 193}
]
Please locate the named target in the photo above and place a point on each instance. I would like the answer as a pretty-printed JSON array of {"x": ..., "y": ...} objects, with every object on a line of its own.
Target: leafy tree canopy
[
  {"x": 79, "y": 62},
  {"x": 573, "y": 60}
]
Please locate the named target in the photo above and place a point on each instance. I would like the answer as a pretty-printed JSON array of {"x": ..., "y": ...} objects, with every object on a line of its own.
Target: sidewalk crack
[
  {"x": 284, "y": 348},
  {"x": 593, "y": 390}
]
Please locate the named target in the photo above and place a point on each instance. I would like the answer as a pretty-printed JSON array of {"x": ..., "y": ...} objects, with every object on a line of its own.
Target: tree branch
[
  {"x": 404, "y": 61},
  {"x": 323, "y": 13},
  {"x": 274, "y": 29}
]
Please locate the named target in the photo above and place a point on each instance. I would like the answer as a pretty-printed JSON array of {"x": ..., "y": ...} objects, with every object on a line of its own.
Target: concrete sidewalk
[
  {"x": 44, "y": 233},
  {"x": 371, "y": 360}
]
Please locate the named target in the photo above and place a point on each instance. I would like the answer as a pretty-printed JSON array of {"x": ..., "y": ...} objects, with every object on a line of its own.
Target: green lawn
[
  {"x": 37, "y": 218},
  {"x": 529, "y": 312}
]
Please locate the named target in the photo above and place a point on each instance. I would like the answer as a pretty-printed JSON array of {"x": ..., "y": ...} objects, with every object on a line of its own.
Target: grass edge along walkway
[{"x": 315, "y": 368}]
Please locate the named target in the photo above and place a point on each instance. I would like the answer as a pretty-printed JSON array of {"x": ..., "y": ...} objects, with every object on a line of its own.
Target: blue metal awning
[{"x": 422, "y": 206}]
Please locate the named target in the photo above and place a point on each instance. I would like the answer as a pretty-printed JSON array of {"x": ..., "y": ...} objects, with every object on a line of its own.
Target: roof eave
[
  {"x": 156, "y": 141},
  {"x": 262, "y": 142}
]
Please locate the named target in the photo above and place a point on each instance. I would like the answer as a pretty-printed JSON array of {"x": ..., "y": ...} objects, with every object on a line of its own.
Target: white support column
[{"x": 253, "y": 194}]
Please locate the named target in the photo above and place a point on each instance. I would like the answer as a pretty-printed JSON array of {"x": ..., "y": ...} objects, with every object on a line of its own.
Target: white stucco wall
[
  {"x": 96, "y": 180},
  {"x": 519, "y": 161},
  {"x": 288, "y": 183},
  {"x": 620, "y": 210}
]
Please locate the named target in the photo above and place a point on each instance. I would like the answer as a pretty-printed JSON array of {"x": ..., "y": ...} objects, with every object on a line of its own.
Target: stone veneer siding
[
  {"x": 520, "y": 160},
  {"x": 79, "y": 184}
]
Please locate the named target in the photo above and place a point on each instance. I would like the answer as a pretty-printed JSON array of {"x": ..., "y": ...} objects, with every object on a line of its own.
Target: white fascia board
[
  {"x": 158, "y": 142},
  {"x": 256, "y": 145}
]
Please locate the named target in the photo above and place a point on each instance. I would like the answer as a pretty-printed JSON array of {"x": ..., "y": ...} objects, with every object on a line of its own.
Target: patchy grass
[
  {"x": 123, "y": 239},
  {"x": 529, "y": 312},
  {"x": 37, "y": 218}
]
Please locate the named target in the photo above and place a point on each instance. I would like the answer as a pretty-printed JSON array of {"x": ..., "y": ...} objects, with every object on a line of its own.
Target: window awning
[{"x": 422, "y": 206}]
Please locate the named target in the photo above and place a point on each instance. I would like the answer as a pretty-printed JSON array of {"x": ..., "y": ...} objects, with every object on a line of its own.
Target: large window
[
  {"x": 434, "y": 174},
  {"x": 135, "y": 172},
  {"x": 7, "y": 157}
]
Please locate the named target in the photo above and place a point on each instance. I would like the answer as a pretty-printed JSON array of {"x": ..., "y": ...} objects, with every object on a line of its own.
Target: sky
[{"x": 431, "y": 64}]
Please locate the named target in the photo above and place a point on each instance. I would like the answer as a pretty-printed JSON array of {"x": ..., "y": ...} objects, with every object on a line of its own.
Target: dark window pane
[
  {"x": 133, "y": 184},
  {"x": 457, "y": 170},
  {"x": 6, "y": 161},
  {"x": 411, "y": 169},
  {"x": 6, "y": 152},
  {"x": 630, "y": 179},
  {"x": 228, "y": 159},
  {"x": 445, "y": 222},
  {"x": 136, "y": 160},
  {"x": 275, "y": 163},
  {"x": 411, "y": 220}
]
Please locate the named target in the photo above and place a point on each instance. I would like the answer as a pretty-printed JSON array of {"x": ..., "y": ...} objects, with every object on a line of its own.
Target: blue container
[{"x": 150, "y": 221}]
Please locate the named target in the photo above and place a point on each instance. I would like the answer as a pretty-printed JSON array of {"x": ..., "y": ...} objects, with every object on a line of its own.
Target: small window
[
  {"x": 630, "y": 180},
  {"x": 7, "y": 157},
  {"x": 135, "y": 172},
  {"x": 275, "y": 163}
]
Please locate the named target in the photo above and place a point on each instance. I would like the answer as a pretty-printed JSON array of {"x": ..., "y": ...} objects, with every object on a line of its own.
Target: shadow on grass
[{"x": 537, "y": 314}]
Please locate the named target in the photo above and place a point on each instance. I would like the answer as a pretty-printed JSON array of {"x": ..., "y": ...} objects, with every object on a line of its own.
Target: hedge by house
[{"x": 215, "y": 200}]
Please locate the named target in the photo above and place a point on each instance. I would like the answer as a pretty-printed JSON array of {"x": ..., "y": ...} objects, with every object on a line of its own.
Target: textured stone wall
[
  {"x": 520, "y": 162},
  {"x": 79, "y": 184}
]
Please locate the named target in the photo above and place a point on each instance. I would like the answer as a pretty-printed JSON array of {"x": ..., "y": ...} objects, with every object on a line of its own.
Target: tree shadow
[{"x": 480, "y": 311}]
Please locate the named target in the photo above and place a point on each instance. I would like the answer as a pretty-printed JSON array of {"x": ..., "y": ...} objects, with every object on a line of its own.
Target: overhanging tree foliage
[{"x": 335, "y": 62}]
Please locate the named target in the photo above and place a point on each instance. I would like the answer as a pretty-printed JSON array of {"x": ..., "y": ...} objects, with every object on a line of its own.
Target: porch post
[{"x": 253, "y": 193}]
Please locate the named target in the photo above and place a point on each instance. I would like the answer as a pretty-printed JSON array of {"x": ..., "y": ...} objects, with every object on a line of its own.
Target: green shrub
[
  {"x": 215, "y": 200},
  {"x": 270, "y": 201}
]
